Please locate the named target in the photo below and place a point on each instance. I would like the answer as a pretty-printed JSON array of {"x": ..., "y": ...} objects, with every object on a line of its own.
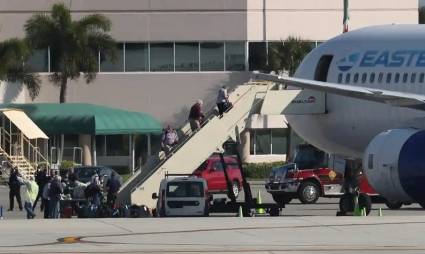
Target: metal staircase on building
[
  {"x": 16, "y": 149},
  {"x": 196, "y": 147}
]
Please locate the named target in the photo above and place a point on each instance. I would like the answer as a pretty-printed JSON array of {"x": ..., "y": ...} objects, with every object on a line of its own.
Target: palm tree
[
  {"x": 74, "y": 45},
  {"x": 287, "y": 55},
  {"x": 13, "y": 54}
]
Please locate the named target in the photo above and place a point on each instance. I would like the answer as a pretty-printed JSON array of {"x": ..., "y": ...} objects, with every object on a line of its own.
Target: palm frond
[
  {"x": 40, "y": 30},
  {"x": 95, "y": 22},
  {"x": 61, "y": 16},
  {"x": 30, "y": 80}
]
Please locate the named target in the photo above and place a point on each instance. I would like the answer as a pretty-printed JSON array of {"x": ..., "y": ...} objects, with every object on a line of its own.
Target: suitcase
[
  {"x": 66, "y": 212},
  {"x": 82, "y": 211},
  {"x": 124, "y": 211}
]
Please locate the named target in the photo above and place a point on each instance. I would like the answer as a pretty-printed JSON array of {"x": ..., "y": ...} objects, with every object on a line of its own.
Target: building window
[
  {"x": 187, "y": 56},
  {"x": 257, "y": 56},
  {"x": 340, "y": 78},
  {"x": 268, "y": 141},
  {"x": 39, "y": 61},
  {"x": 212, "y": 56},
  {"x": 162, "y": 56},
  {"x": 107, "y": 65},
  {"x": 421, "y": 77},
  {"x": 235, "y": 56},
  {"x": 117, "y": 145},
  {"x": 136, "y": 57}
]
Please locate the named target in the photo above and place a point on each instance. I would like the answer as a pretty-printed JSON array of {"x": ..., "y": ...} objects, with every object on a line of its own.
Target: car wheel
[
  {"x": 235, "y": 189},
  {"x": 393, "y": 205},
  {"x": 281, "y": 199},
  {"x": 308, "y": 192}
]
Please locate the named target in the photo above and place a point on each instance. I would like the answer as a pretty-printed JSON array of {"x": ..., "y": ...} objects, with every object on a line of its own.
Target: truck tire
[
  {"x": 308, "y": 192},
  {"x": 393, "y": 205},
  {"x": 281, "y": 199},
  {"x": 235, "y": 189}
]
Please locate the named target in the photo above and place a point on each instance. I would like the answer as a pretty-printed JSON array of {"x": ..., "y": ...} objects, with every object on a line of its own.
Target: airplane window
[
  {"x": 397, "y": 77},
  {"x": 405, "y": 76},
  {"x": 413, "y": 78},
  {"x": 389, "y": 76},
  {"x": 340, "y": 78},
  {"x": 370, "y": 161},
  {"x": 347, "y": 78},
  {"x": 364, "y": 78},
  {"x": 422, "y": 77},
  {"x": 380, "y": 77},
  {"x": 356, "y": 78},
  {"x": 372, "y": 77}
]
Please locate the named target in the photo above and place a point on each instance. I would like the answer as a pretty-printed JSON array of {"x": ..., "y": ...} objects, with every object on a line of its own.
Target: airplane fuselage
[{"x": 384, "y": 57}]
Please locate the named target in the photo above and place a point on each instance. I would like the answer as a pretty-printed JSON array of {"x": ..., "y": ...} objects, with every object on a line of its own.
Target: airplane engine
[{"x": 394, "y": 163}]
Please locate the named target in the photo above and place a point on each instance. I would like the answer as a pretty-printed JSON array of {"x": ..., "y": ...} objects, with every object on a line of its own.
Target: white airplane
[{"x": 374, "y": 80}]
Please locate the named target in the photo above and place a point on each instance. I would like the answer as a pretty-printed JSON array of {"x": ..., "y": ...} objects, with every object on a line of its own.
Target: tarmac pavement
[
  {"x": 216, "y": 235},
  {"x": 299, "y": 230}
]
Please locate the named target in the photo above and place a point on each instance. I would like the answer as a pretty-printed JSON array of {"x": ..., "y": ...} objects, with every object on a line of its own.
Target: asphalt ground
[
  {"x": 301, "y": 229},
  {"x": 286, "y": 234}
]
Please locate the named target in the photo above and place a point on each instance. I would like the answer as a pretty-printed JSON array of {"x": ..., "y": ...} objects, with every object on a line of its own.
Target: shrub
[
  {"x": 260, "y": 170},
  {"x": 65, "y": 166}
]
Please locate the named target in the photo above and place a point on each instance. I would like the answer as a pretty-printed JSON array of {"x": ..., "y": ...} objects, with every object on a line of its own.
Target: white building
[{"x": 173, "y": 52}]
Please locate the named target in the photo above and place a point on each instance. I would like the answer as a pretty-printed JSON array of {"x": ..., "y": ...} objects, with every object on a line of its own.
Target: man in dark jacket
[
  {"x": 41, "y": 180},
  {"x": 15, "y": 189},
  {"x": 113, "y": 185},
  {"x": 196, "y": 115},
  {"x": 55, "y": 192}
]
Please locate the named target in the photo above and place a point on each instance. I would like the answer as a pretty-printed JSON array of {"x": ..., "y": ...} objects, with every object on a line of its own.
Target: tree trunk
[
  {"x": 62, "y": 99},
  {"x": 62, "y": 96}
]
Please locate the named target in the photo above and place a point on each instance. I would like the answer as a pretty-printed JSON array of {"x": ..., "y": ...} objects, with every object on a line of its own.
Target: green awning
[{"x": 83, "y": 118}]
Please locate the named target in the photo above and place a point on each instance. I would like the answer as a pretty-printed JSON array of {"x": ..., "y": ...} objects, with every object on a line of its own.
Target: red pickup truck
[{"x": 212, "y": 171}]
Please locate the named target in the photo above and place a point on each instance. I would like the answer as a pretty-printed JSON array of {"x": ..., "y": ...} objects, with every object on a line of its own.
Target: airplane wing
[{"x": 394, "y": 98}]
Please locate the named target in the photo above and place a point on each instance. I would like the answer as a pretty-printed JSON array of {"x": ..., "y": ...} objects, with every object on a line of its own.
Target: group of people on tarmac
[
  {"x": 196, "y": 116},
  {"x": 52, "y": 188}
]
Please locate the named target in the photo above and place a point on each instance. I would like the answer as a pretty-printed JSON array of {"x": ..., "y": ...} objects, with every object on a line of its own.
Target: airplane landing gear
[{"x": 352, "y": 190}]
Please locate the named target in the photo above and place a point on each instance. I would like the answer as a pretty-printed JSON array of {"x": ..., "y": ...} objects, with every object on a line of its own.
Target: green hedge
[{"x": 260, "y": 170}]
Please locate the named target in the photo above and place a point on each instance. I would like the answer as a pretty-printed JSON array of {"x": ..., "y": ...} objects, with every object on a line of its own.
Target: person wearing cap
[{"x": 196, "y": 115}]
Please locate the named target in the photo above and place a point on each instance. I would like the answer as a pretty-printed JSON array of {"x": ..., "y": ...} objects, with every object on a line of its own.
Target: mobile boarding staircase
[
  {"x": 19, "y": 143},
  {"x": 195, "y": 148}
]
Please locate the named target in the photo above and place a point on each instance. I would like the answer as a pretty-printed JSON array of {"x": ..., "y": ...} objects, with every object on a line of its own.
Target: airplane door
[{"x": 322, "y": 68}]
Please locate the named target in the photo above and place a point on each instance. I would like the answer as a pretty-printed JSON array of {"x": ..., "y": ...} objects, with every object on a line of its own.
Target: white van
[{"x": 182, "y": 196}]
